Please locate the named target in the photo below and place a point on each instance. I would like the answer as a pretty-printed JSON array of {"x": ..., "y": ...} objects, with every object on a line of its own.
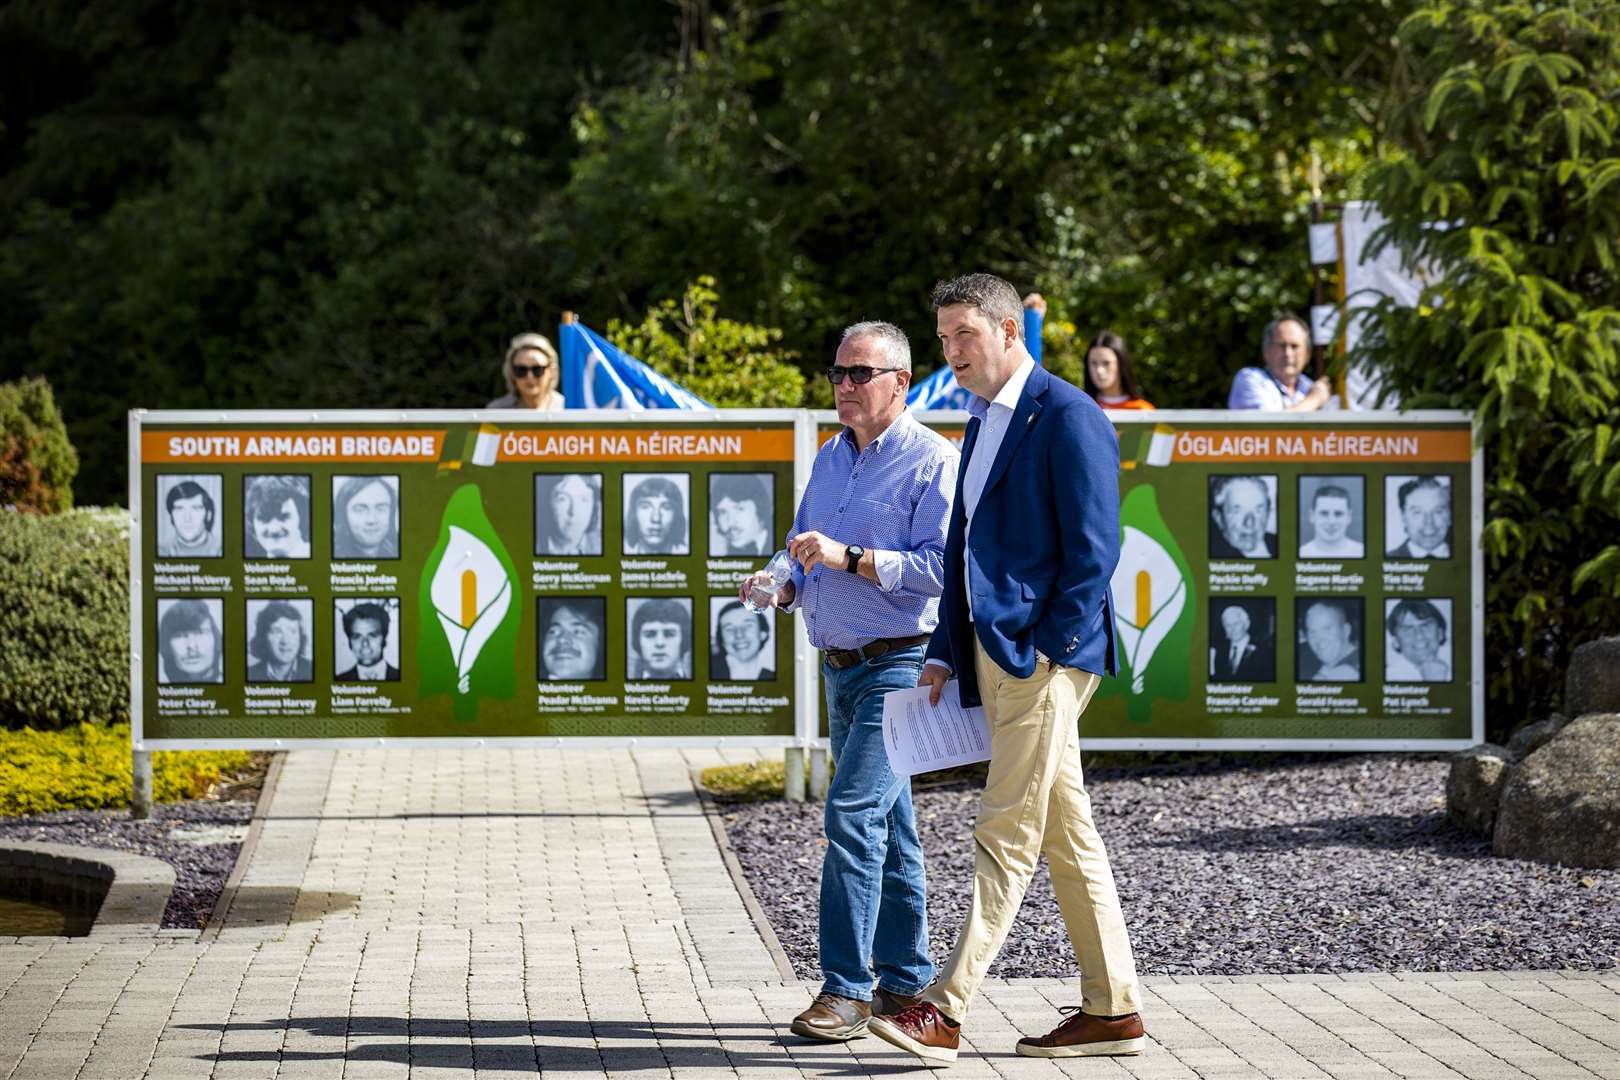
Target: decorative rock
[
  {"x": 1474, "y": 786},
  {"x": 1592, "y": 684},
  {"x": 1562, "y": 803},
  {"x": 1532, "y": 737}
]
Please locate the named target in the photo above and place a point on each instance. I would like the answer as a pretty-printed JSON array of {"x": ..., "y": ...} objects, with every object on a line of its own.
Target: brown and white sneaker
[
  {"x": 922, "y": 1030},
  {"x": 831, "y": 1018},
  {"x": 1084, "y": 1035}
]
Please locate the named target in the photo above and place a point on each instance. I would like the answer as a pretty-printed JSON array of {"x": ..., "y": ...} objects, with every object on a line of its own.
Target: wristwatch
[{"x": 854, "y": 563}]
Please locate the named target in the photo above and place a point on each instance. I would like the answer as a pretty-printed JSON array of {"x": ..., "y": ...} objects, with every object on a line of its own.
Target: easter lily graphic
[
  {"x": 1152, "y": 594},
  {"x": 467, "y": 647}
]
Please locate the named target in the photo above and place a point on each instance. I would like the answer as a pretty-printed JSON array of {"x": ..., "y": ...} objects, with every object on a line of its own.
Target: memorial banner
[
  {"x": 1309, "y": 582},
  {"x": 1285, "y": 582},
  {"x": 363, "y": 576}
]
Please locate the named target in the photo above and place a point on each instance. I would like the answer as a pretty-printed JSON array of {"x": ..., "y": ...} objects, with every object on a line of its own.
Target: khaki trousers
[{"x": 1035, "y": 804}]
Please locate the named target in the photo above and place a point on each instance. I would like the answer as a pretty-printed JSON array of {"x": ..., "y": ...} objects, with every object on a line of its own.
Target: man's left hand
[{"x": 812, "y": 547}]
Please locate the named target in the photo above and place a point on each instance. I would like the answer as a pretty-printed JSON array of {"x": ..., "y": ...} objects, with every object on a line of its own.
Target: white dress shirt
[{"x": 995, "y": 417}]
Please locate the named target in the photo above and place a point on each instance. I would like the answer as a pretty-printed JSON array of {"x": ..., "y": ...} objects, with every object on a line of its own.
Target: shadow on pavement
[{"x": 697, "y": 1045}]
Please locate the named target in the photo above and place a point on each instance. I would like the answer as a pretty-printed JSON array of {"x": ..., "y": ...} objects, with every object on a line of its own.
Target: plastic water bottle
[{"x": 780, "y": 569}]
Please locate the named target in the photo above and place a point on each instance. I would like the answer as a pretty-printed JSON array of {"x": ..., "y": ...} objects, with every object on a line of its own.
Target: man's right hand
[
  {"x": 783, "y": 597},
  {"x": 934, "y": 677}
]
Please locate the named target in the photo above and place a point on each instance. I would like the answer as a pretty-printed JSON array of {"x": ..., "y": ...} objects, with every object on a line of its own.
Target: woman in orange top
[{"x": 1108, "y": 373}]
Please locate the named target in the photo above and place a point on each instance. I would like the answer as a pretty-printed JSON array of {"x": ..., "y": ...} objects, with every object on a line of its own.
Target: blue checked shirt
[{"x": 894, "y": 499}]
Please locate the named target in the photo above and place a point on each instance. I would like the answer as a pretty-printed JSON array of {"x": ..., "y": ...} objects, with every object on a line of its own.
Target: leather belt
[{"x": 838, "y": 659}]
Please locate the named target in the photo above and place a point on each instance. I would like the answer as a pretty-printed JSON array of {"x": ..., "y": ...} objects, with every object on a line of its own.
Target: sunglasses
[
  {"x": 523, "y": 371},
  {"x": 860, "y": 375}
]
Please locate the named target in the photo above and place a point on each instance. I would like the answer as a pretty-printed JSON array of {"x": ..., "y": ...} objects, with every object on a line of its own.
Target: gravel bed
[
  {"x": 1240, "y": 866},
  {"x": 199, "y": 838}
]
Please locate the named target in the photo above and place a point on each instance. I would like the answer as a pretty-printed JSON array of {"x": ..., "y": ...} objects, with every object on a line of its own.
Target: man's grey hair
[
  {"x": 1270, "y": 332},
  {"x": 992, "y": 295},
  {"x": 890, "y": 338}
]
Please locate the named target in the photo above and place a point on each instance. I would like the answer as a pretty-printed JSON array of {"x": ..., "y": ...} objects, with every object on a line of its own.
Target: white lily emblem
[
  {"x": 1149, "y": 594},
  {"x": 470, "y": 595}
]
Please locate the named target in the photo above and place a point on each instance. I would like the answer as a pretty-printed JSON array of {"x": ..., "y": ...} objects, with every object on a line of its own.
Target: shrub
[
  {"x": 64, "y": 619},
  {"x": 87, "y": 767},
  {"x": 731, "y": 364},
  {"x": 1513, "y": 134},
  {"x": 752, "y": 781},
  {"x": 37, "y": 462}
]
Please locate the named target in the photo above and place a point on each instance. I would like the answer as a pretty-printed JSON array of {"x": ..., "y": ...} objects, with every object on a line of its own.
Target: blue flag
[
  {"x": 939, "y": 390},
  {"x": 597, "y": 375}
]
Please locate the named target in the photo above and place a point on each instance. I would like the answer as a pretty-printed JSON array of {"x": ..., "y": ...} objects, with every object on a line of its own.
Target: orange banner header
[
  {"x": 313, "y": 444},
  {"x": 1282, "y": 444},
  {"x": 629, "y": 444}
]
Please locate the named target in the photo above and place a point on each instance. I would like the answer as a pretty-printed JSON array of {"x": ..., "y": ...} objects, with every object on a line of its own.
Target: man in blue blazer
[{"x": 1027, "y": 628}]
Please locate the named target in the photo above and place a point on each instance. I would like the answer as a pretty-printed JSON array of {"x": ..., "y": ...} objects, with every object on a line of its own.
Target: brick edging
[
  {"x": 244, "y": 854},
  {"x": 138, "y": 886},
  {"x": 751, "y": 904}
]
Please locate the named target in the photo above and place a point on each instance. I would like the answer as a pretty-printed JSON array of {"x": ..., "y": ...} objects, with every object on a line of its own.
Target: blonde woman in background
[{"x": 532, "y": 373}]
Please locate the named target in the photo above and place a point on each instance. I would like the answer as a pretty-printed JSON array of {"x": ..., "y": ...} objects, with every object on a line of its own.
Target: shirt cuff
[
  {"x": 887, "y": 566},
  {"x": 942, "y": 665}
]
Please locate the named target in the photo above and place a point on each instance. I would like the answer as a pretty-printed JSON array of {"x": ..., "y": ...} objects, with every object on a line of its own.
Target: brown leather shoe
[
  {"x": 1084, "y": 1035},
  {"x": 831, "y": 1018},
  {"x": 921, "y": 1030},
  {"x": 887, "y": 1003}
]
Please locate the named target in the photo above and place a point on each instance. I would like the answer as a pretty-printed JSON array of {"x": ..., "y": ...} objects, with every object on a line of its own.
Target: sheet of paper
[{"x": 920, "y": 737}]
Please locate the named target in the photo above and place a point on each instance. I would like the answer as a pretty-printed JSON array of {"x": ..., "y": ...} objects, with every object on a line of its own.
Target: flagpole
[{"x": 1317, "y": 352}]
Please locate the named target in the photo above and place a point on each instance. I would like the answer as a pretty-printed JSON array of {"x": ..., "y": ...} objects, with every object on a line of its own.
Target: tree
[
  {"x": 341, "y": 219},
  {"x": 732, "y": 364},
  {"x": 37, "y": 462},
  {"x": 1517, "y": 153}
]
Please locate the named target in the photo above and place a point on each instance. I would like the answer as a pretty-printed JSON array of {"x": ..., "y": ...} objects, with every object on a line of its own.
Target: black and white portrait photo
[
  {"x": 189, "y": 526},
  {"x": 740, "y": 516},
  {"x": 572, "y": 637},
  {"x": 1328, "y": 641},
  {"x": 365, "y": 517},
  {"x": 365, "y": 640},
  {"x": 742, "y": 642},
  {"x": 191, "y": 640},
  {"x": 655, "y": 514},
  {"x": 1242, "y": 639},
  {"x": 1417, "y": 640},
  {"x": 658, "y": 638},
  {"x": 1332, "y": 517},
  {"x": 1243, "y": 517},
  {"x": 281, "y": 641},
  {"x": 568, "y": 514},
  {"x": 275, "y": 517},
  {"x": 1417, "y": 517}
]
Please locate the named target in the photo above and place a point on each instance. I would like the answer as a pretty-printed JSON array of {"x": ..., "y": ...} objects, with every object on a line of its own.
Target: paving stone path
[{"x": 491, "y": 913}]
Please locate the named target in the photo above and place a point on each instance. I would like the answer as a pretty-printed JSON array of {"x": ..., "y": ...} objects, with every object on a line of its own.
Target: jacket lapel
[{"x": 1029, "y": 406}]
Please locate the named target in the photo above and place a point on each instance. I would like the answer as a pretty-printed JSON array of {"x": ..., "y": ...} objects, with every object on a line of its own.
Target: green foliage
[
  {"x": 37, "y": 462},
  {"x": 88, "y": 767},
  {"x": 317, "y": 210},
  {"x": 732, "y": 364},
  {"x": 1518, "y": 154},
  {"x": 64, "y": 619}
]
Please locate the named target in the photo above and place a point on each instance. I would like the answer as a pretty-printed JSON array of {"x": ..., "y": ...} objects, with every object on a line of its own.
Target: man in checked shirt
[{"x": 869, "y": 545}]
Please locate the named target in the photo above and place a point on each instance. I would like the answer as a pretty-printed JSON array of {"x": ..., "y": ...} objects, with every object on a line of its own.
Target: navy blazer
[{"x": 1045, "y": 542}]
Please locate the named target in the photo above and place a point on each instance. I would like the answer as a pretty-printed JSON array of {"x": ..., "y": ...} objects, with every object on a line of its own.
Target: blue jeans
[{"x": 873, "y": 916}]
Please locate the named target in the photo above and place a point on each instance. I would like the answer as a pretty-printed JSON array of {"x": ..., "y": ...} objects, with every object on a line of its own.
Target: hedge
[
  {"x": 87, "y": 767},
  {"x": 64, "y": 619}
]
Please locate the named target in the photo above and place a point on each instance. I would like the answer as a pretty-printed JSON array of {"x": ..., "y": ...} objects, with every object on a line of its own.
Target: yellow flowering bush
[{"x": 88, "y": 768}]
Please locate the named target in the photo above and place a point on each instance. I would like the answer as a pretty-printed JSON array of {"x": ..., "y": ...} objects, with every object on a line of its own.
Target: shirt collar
[
  {"x": 1010, "y": 393},
  {"x": 899, "y": 424},
  {"x": 375, "y": 671}
]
